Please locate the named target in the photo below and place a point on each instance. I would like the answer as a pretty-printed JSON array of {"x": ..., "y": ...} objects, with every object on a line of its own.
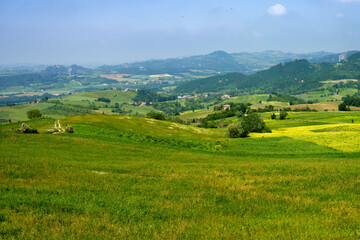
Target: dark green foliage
[
  {"x": 343, "y": 107},
  {"x": 247, "y": 124},
  {"x": 102, "y": 99},
  {"x": 175, "y": 107},
  {"x": 292, "y": 77},
  {"x": 34, "y": 113},
  {"x": 273, "y": 116},
  {"x": 211, "y": 84},
  {"x": 236, "y": 109},
  {"x": 238, "y": 129},
  {"x": 253, "y": 123},
  {"x": 351, "y": 101},
  {"x": 156, "y": 115},
  {"x": 283, "y": 114},
  {"x": 281, "y": 97}
]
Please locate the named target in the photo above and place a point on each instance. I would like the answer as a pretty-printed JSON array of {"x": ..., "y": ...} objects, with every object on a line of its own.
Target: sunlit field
[{"x": 128, "y": 177}]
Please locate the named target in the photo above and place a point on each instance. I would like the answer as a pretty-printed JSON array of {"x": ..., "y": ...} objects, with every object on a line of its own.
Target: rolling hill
[
  {"x": 121, "y": 177},
  {"x": 215, "y": 62},
  {"x": 294, "y": 77}
]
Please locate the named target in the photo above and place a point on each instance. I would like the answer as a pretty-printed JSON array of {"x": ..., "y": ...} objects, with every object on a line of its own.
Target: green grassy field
[
  {"x": 253, "y": 99},
  {"x": 135, "y": 178},
  {"x": 78, "y": 104}
]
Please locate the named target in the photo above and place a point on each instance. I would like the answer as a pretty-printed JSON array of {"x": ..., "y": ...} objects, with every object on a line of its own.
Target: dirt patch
[
  {"x": 29, "y": 94},
  {"x": 160, "y": 75},
  {"x": 340, "y": 81},
  {"x": 120, "y": 77},
  {"x": 322, "y": 106}
]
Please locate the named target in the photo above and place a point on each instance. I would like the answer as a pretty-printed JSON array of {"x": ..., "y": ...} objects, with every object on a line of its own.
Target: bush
[
  {"x": 273, "y": 116},
  {"x": 102, "y": 99},
  {"x": 34, "y": 113},
  {"x": 253, "y": 122},
  {"x": 283, "y": 114},
  {"x": 69, "y": 129},
  {"x": 154, "y": 115},
  {"x": 343, "y": 107},
  {"x": 247, "y": 124},
  {"x": 26, "y": 129},
  {"x": 233, "y": 130},
  {"x": 238, "y": 129}
]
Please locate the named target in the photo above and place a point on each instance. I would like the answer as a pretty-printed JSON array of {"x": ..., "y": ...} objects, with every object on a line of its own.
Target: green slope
[
  {"x": 94, "y": 184},
  {"x": 295, "y": 77}
]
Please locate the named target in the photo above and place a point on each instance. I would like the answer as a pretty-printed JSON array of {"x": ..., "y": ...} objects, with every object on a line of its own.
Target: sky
[{"x": 96, "y": 32}]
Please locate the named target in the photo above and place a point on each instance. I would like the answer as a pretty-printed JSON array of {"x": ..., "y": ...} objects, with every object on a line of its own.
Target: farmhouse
[
  {"x": 226, "y": 107},
  {"x": 225, "y": 97}
]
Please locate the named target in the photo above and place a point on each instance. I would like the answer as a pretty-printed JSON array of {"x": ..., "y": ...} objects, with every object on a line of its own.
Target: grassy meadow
[
  {"x": 135, "y": 178},
  {"x": 75, "y": 104}
]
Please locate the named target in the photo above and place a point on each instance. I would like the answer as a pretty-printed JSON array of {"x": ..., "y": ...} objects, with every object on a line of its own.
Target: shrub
[
  {"x": 238, "y": 129},
  {"x": 273, "y": 116},
  {"x": 102, "y": 99},
  {"x": 250, "y": 123},
  {"x": 34, "y": 113},
  {"x": 343, "y": 107},
  {"x": 233, "y": 130},
  {"x": 155, "y": 115},
  {"x": 26, "y": 129},
  {"x": 283, "y": 114},
  {"x": 253, "y": 122},
  {"x": 69, "y": 129}
]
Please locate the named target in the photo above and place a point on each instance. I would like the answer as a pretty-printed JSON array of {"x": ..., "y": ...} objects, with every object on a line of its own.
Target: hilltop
[{"x": 294, "y": 77}]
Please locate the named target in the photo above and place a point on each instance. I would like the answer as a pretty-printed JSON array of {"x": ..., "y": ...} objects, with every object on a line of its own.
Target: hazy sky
[{"x": 114, "y": 32}]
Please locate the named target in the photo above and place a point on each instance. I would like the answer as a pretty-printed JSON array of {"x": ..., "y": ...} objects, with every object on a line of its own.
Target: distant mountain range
[
  {"x": 296, "y": 76},
  {"x": 220, "y": 62},
  {"x": 215, "y": 63}
]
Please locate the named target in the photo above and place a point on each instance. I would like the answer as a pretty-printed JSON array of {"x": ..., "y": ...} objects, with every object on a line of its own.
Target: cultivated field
[{"x": 135, "y": 178}]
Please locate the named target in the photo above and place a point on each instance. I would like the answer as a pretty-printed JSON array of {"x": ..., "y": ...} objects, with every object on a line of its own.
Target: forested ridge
[{"x": 293, "y": 77}]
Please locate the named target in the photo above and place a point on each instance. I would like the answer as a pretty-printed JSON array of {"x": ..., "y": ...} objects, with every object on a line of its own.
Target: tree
[
  {"x": 273, "y": 116},
  {"x": 283, "y": 114},
  {"x": 343, "y": 107},
  {"x": 238, "y": 129},
  {"x": 156, "y": 115},
  {"x": 34, "y": 113},
  {"x": 253, "y": 123},
  {"x": 249, "y": 123}
]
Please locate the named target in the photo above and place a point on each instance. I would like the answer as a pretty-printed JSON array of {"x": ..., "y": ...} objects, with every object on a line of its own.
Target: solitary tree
[
  {"x": 238, "y": 129},
  {"x": 34, "y": 113},
  {"x": 283, "y": 114},
  {"x": 249, "y": 123}
]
